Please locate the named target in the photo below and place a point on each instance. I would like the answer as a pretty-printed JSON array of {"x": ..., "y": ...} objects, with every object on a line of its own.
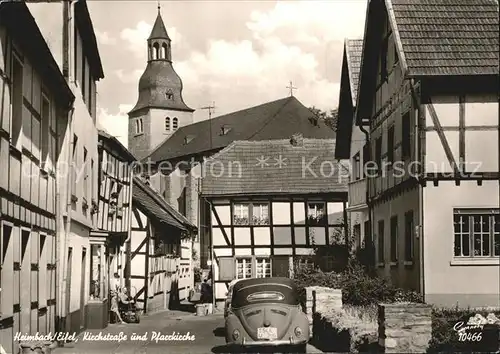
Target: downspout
[
  {"x": 420, "y": 228},
  {"x": 368, "y": 200},
  {"x": 60, "y": 261},
  {"x": 128, "y": 262}
]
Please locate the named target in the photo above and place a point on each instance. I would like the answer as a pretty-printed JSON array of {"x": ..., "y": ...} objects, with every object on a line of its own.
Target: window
[
  {"x": 394, "y": 239},
  {"x": 356, "y": 233},
  {"x": 156, "y": 50},
  {"x": 356, "y": 167},
  {"x": 406, "y": 136},
  {"x": 316, "y": 213},
  {"x": 170, "y": 95},
  {"x": 381, "y": 245},
  {"x": 251, "y": 214},
  {"x": 74, "y": 165},
  {"x": 85, "y": 175},
  {"x": 409, "y": 229},
  {"x": 96, "y": 272},
  {"x": 260, "y": 214},
  {"x": 368, "y": 234},
  {"x": 17, "y": 101},
  {"x": 91, "y": 178},
  {"x": 175, "y": 123},
  {"x": 383, "y": 59},
  {"x": 263, "y": 267},
  {"x": 477, "y": 233},
  {"x": 390, "y": 145},
  {"x": 139, "y": 129},
  {"x": 224, "y": 130},
  {"x": 45, "y": 148},
  {"x": 167, "y": 123},
  {"x": 378, "y": 154},
  {"x": 243, "y": 268},
  {"x": 241, "y": 213},
  {"x": 366, "y": 159}
]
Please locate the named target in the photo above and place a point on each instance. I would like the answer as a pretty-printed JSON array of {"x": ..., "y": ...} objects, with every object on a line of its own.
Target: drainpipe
[
  {"x": 60, "y": 261},
  {"x": 419, "y": 230},
  {"x": 129, "y": 230},
  {"x": 368, "y": 201}
]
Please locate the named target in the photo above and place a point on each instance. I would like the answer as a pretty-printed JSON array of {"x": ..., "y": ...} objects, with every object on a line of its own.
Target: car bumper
[{"x": 268, "y": 343}]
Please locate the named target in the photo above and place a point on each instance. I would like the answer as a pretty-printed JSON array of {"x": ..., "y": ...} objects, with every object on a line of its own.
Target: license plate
[{"x": 267, "y": 333}]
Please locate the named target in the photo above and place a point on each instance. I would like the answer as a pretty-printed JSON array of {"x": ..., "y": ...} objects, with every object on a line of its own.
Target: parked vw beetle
[{"x": 266, "y": 312}]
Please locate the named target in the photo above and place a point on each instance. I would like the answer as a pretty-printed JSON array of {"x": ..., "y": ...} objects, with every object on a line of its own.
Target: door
[
  {"x": 82, "y": 288},
  {"x": 68, "y": 288}
]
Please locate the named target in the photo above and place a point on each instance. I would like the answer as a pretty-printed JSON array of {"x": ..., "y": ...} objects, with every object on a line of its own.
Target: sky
[{"x": 235, "y": 54}]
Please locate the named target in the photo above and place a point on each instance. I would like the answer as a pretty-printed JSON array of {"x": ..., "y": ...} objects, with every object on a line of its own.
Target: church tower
[{"x": 160, "y": 109}]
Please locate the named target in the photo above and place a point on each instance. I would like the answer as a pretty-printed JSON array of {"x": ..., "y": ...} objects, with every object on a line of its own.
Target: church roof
[
  {"x": 159, "y": 29},
  {"x": 273, "y": 120},
  {"x": 158, "y": 80},
  {"x": 243, "y": 166}
]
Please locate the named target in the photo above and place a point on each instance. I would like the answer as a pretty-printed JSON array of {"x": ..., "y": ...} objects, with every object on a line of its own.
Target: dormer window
[
  {"x": 139, "y": 129},
  {"x": 170, "y": 95},
  {"x": 224, "y": 130},
  {"x": 175, "y": 124},
  {"x": 167, "y": 123},
  {"x": 188, "y": 139}
]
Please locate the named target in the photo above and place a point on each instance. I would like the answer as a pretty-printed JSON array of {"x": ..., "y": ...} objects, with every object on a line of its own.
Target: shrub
[{"x": 358, "y": 287}]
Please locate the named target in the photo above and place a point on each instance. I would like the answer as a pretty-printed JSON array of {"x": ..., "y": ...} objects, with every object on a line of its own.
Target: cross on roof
[{"x": 291, "y": 88}]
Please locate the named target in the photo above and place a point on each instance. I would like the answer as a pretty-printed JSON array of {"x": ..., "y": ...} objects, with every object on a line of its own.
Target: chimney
[{"x": 297, "y": 140}]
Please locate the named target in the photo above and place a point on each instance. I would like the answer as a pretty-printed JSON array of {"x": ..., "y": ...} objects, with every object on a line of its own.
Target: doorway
[
  {"x": 68, "y": 289},
  {"x": 82, "y": 288}
]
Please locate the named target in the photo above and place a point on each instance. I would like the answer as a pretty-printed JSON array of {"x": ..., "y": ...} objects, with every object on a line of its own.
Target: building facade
[
  {"x": 351, "y": 144},
  {"x": 434, "y": 137},
  {"x": 160, "y": 109},
  {"x": 111, "y": 217},
  {"x": 35, "y": 105},
  {"x": 77, "y": 56},
  {"x": 180, "y": 160},
  {"x": 261, "y": 229},
  {"x": 158, "y": 263}
]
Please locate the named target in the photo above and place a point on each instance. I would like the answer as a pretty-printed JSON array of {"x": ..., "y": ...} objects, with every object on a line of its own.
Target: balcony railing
[{"x": 357, "y": 193}]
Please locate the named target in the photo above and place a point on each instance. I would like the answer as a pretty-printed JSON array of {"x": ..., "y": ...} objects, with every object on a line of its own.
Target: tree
[{"x": 330, "y": 117}]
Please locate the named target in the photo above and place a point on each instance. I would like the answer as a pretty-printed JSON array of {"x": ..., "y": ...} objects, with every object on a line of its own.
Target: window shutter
[
  {"x": 280, "y": 266},
  {"x": 227, "y": 271}
]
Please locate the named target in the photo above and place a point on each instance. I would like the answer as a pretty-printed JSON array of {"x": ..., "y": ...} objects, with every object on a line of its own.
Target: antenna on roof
[{"x": 210, "y": 108}]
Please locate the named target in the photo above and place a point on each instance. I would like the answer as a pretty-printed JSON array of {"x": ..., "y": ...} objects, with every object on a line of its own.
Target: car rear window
[{"x": 264, "y": 293}]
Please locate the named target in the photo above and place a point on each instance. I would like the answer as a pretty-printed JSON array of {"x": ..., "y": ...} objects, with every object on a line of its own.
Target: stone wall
[
  {"x": 404, "y": 327},
  {"x": 321, "y": 300}
]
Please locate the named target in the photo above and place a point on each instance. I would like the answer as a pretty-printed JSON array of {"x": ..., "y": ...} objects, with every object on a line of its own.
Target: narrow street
[{"x": 206, "y": 336}]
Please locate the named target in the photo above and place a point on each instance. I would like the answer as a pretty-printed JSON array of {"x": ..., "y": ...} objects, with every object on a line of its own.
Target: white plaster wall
[
  {"x": 158, "y": 133},
  {"x": 444, "y": 282},
  {"x": 481, "y": 147}
]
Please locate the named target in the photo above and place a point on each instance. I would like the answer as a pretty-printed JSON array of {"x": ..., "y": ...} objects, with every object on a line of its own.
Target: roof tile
[
  {"x": 449, "y": 37},
  {"x": 273, "y": 120},
  {"x": 253, "y": 167}
]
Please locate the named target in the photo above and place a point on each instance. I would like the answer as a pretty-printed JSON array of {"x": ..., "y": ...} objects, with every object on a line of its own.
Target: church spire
[{"x": 159, "y": 43}]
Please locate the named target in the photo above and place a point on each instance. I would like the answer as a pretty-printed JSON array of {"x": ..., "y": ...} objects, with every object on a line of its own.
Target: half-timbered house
[
  {"x": 111, "y": 219},
  {"x": 180, "y": 158},
  {"x": 159, "y": 258},
  {"x": 67, "y": 28},
  {"x": 35, "y": 104},
  {"x": 269, "y": 203},
  {"x": 351, "y": 143},
  {"x": 429, "y": 93}
]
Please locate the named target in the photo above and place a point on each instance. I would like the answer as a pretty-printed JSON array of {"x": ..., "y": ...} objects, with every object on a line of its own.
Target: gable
[{"x": 446, "y": 38}]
